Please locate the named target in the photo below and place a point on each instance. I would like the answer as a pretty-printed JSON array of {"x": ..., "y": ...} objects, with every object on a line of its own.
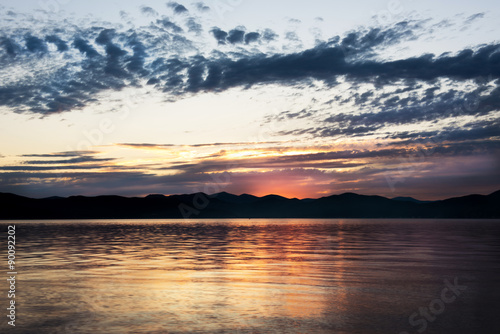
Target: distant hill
[
  {"x": 225, "y": 205},
  {"x": 409, "y": 199}
]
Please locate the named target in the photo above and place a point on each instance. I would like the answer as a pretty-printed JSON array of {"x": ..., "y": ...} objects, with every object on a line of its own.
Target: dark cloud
[
  {"x": 269, "y": 35},
  {"x": 73, "y": 160},
  {"x": 61, "y": 45},
  {"x": 168, "y": 146},
  {"x": 218, "y": 165},
  {"x": 114, "y": 65},
  {"x": 363, "y": 98},
  {"x": 73, "y": 85},
  {"x": 362, "y": 42},
  {"x": 133, "y": 55},
  {"x": 178, "y": 8},
  {"x": 235, "y": 36},
  {"x": 146, "y": 145},
  {"x": 284, "y": 115},
  {"x": 48, "y": 168},
  {"x": 105, "y": 36},
  {"x": 220, "y": 35},
  {"x": 394, "y": 112},
  {"x": 82, "y": 159},
  {"x": 35, "y": 44},
  {"x": 10, "y": 47},
  {"x": 153, "y": 81},
  {"x": 84, "y": 47},
  {"x": 326, "y": 62},
  {"x": 61, "y": 154},
  {"x": 251, "y": 37},
  {"x": 136, "y": 62},
  {"x": 165, "y": 22},
  {"x": 478, "y": 133}
]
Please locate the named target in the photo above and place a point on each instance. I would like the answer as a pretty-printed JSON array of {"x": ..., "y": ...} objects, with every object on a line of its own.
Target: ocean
[{"x": 343, "y": 276}]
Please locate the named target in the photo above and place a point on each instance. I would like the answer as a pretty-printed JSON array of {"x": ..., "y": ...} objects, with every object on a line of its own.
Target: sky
[{"x": 302, "y": 99}]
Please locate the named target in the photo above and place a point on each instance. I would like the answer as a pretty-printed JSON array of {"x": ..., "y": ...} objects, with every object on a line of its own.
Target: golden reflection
[{"x": 196, "y": 277}]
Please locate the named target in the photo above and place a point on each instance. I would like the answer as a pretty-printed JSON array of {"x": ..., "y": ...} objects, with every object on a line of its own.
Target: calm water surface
[{"x": 256, "y": 276}]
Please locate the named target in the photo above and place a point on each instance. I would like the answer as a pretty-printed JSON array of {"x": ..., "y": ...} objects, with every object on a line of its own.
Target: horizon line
[{"x": 225, "y": 192}]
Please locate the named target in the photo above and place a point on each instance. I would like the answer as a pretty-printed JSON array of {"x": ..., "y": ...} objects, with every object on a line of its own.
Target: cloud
[
  {"x": 238, "y": 36},
  {"x": 78, "y": 160},
  {"x": 269, "y": 35},
  {"x": 474, "y": 17},
  {"x": 148, "y": 11},
  {"x": 202, "y": 7},
  {"x": 35, "y": 44},
  {"x": 219, "y": 35},
  {"x": 168, "y": 146},
  {"x": 413, "y": 170},
  {"x": 165, "y": 22},
  {"x": 442, "y": 107},
  {"x": 84, "y": 47},
  {"x": 478, "y": 133},
  {"x": 10, "y": 47},
  {"x": 73, "y": 160},
  {"x": 47, "y": 168},
  {"x": 61, "y": 45},
  {"x": 164, "y": 56},
  {"x": 363, "y": 41},
  {"x": 178, "y": 8},
  {"x": 292, "y": 36},
  {"x": 194, "y": 26},
  {"x": 235, "y": 36},
  {"x": 60, "y": 154},
  {"x": 251, "y": 37}
]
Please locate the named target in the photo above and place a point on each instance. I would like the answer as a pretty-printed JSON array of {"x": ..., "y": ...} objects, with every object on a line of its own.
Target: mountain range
[{"x": 225, "y": 205}]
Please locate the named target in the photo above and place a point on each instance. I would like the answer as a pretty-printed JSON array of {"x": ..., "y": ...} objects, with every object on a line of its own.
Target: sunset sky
[{"x": 296, "y": 98}]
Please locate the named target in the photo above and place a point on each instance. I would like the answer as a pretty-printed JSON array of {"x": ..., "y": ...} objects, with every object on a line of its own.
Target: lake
[{"x": 255, "y": 276}]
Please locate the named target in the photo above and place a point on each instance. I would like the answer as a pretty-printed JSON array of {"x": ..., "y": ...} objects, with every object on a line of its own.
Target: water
[{"x": 255, "y": 276}]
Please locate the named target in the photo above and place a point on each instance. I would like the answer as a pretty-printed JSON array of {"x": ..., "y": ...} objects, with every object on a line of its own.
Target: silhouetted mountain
[
  {"x": 230, "y": 198},
  {"x": 225, "y": 205},
  {"x": 409, "y": 199}
]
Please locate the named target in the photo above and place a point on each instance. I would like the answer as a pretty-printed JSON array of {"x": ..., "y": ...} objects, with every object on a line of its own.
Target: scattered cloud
[
  {"x": 474, "y": 17},
  {"x": 202, "y": 7},
  {"x": 148, "y": 11},
  {"x": 178, "y": 8},
  {"x": 162, "y": 55},
  {"x": 235, "y": 36}
]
